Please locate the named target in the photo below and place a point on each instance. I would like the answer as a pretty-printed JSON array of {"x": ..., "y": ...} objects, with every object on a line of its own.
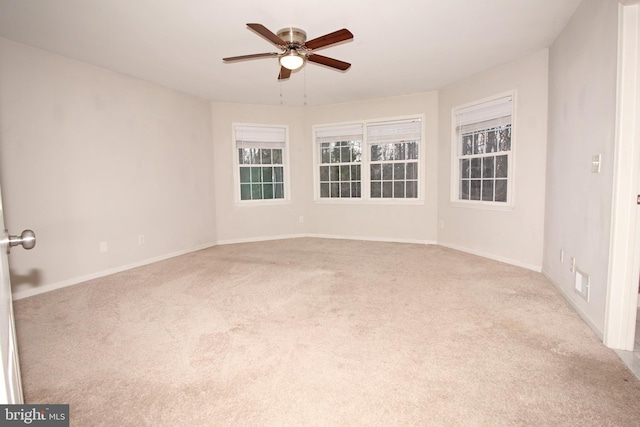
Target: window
[
  {"x": 261, "y": 162},
  {"x": 394, "y": 158},
  {"x": 483, "y": 152},
  {"x": 382, "y": 163},
  {"x": 340, "y": 161}
]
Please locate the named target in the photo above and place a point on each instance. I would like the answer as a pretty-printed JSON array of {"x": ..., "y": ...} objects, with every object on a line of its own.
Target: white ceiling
[{"x": 399, "y": 46}]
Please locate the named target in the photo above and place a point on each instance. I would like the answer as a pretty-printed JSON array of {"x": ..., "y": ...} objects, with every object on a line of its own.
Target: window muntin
[
  {"x": 261, "y": 158},
  {"x": 483, "y": 146},
  {"x": 381, "y": 163},
  {"x": 261, "y": 173},
  {"x": 394, "y": 170},
  {"x": 341, "y": 169}
]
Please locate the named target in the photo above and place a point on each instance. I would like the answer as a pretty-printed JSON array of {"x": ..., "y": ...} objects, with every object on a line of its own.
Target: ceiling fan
[{"x": 296, "y": 50}]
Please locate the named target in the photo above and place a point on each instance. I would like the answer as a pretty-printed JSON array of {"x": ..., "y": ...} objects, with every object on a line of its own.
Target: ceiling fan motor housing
[{"x": 293, "y": 36}]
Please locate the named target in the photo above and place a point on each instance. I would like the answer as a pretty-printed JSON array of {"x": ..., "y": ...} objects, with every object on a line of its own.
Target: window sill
[
  {"x": 255, "y": 203},
  {"x": 390, "y": 202},
  {"x": 487, "y": 206}
]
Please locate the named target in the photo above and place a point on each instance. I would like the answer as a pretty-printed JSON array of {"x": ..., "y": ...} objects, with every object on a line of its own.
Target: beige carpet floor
[{"x": 313, "y": 332}]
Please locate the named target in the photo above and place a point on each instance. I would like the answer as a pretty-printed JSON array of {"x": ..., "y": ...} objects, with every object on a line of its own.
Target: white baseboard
[
  {"x": 372, "y": 239},
  {"x": 567, "y": 297},
  {"x": 510, "y": 261},
  {"x": 51, "y": 287},
  {"x": 259, "y": 239},
  {"x": 76, "y": 280}
]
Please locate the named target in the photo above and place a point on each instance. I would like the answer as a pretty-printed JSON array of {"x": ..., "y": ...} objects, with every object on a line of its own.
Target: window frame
[
  {"x": 365, "y": 163},
  {"x": 285, "y": 165},
  {"x": 511, "y": 157}
]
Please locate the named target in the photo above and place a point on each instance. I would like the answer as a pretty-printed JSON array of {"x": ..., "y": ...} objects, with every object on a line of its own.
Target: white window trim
[
  {"x": 365, "y": 169},
  {"x": 509, "y": 205},
  {"x": 236, "y": 168}
]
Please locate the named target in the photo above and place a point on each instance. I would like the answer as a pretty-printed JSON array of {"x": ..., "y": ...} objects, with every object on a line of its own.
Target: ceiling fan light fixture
[{"x": 292, "y": 60}]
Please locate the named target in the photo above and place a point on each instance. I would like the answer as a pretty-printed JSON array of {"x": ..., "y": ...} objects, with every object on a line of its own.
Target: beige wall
[
  {"x": 90, "y": 156},
  {"x": 239, "y": 221},
  {"x": 379, "y": 221},
  {"x": 582, "y": 108},
  {"x": 512, "y": 235}
]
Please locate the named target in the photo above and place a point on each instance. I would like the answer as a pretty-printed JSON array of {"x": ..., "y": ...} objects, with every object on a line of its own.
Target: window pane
[
  {"x": 387, "y": 152},
  {"x": 324, "y": 190},
  {"x": 278, "y": 174},
  {"x": 266, "y": 156},
  {"x": 412, "y": 171},
  {"x": 487, "y": 167},
  {"x": 501, "y": 166},
  {"x": 335, "y": 153},
  {"x": 398, "y": 151},
  {"x": 242, "y": 156},
  {"x": 356, "y": 152},
  {"x": 324, "y": 173},
  {"x": 501, "y": 190},
  {"x": 479, "y": 143},
  {"x": 475, "y": 189},
  {"x": 256, "y": 174},
  {"x": 276, "y": 156},
  {"x": 245, "y": 192},
  {"x": 267, "y": 174},
  {"x": 475, "y": 167},
  {"x": 245, "y": 174},
  {"x": 398, "y": 189},
  {"x": 492, "y": 141},
  {"x": 345, "y": 155},
  {"x": 335, "y": 189},
  {"x": 467, "y": 144},
  {"x": 387, "y": 171},
  {"x": 504, "y": 138},
  {"x": 355, "y": 189},
  {"x": 376, "y": 172},
  {"x": 398, "y": 171},
  {"x": 255, "y": 156},
  {"x": 387, "y": 189},
  {"x": 325, "y": 155},
  {"x": 268, "y": 191},
  {"x": 376, "y": 153},
  {"x": 376, "y": 189},
  {"x": 278, "y": 191},
  {"x": 345, "y": 173},
  {"x": 464, "y": 189},
  {"x": 487, "y": 190},
  {"x": 355, "y": 172},
  {"x": 345, "y": 189},
  {"x": 412, "y": 151},
  {"x": 412, "y": 189},
  {"x": 256, "y": 191},
  {"x": 335, "y": 173},
  {"x": 464, "y": 168}
]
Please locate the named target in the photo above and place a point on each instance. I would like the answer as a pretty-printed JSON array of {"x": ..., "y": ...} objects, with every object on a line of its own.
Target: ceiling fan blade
[
  {"x": 267, "y": 34},
  {"x": 329, "y": 62},
  {"x": 329, "y": 39},
  {"x": 284, "y": 73},
  {"x": 253, "y": 56}
]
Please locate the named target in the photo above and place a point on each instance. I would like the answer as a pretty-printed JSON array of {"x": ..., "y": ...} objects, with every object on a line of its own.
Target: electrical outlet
[
  {"x": 441, "y": 224},
  {"x": 300, "y": 219},
  {"x": 103, "y": 247},
  {"x": 141, "y": 239},
  {"x": 595, "y": 163},
  {"x": 572, "y": 265}
]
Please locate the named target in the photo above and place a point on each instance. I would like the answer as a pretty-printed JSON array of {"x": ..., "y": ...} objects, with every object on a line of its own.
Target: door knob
[{"x": 27, "y": 239}]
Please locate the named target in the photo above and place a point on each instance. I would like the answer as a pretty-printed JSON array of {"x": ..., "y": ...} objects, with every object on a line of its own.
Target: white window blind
[
  {"x": 347, "y": 132},
  {"x": 260, "y": 136},
  {"x": 394, "y": 131},
  {"x": 487, "y": 115}
]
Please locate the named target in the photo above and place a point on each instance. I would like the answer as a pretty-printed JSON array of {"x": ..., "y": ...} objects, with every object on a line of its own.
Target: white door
[{"x": 10, "y": 385}]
